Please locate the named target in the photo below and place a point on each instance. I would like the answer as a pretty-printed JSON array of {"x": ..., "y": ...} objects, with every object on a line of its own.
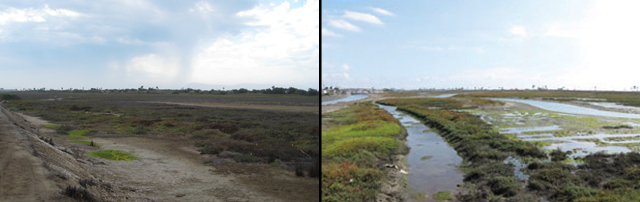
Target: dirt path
[
  {"x": 284, "y": 108},
  {"x": 22, "y": 176},
  {"x": 172, "y": 170}
]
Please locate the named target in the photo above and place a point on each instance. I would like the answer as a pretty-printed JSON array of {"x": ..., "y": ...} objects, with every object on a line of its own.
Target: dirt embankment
[
  {"x": 22, "y": 175},
  {"x": 168, "y": 170}
]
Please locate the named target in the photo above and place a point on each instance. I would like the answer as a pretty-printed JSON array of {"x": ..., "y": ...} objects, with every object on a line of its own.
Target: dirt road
[{"x": 22, "y": 176}]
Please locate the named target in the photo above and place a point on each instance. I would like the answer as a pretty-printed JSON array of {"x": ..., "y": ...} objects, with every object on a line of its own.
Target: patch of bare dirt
[{"x": 170, "y": 168}]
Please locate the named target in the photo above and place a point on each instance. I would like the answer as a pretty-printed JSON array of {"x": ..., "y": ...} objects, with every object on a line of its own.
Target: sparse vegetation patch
[{"x": 114, "y": 155}]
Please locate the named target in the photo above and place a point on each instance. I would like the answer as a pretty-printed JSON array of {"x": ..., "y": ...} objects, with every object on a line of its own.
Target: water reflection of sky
[
  {"x": 571, "y": 109},
  {"x": 440, "y": 171},
  {"x": 347, "y": 99}
]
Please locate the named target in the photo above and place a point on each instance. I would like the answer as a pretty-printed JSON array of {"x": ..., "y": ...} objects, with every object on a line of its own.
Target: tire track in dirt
[{"x": 22, "y": 177}]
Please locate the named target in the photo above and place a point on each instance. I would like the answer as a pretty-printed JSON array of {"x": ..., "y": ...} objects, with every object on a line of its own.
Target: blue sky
[
  {"x": 164, "y": 43},
  {"x": 573, "y": 44}
]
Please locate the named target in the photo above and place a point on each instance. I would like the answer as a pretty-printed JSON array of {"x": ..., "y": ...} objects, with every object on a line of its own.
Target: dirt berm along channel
[{"x": 38, "y": 166}]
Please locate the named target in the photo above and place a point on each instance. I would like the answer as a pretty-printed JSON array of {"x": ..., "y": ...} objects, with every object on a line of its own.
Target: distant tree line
[{"x": 142, "y": 89}]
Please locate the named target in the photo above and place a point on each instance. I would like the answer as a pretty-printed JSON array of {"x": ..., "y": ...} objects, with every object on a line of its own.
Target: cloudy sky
[
  {"x": 576, "y": 44},
  {"x": 164, "y": 43}
]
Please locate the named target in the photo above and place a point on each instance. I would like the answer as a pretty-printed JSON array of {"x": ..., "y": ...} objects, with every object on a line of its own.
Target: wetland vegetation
[
  {"x": 486, "y": 133},
  {"x": 255, "y": 135},
  {"x": 356, "y": 142}
]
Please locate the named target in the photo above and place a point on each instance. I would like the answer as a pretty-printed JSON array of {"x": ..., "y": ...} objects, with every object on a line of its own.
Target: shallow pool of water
[
  {"x": 445, "y": 95},
  {"x": 580, "y": 147},
  {"x": 350, "y": 98},
  {"x": 567, "y": 108},
  {"x": 614, "y": 105},
  {"x": 433, "y": 164},
  {"x": 528, "y": 129}
]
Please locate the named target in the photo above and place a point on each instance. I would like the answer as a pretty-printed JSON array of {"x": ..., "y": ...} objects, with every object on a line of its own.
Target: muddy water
[
  {"x": 571, "y": 109},
  {"x": 350, "y": 98},
  {"x": 433, "y": 164}
]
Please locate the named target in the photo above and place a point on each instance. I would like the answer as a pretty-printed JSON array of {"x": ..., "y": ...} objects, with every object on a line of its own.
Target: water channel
[
  {"x": 350, "y": 98},
  {"x": 433, "y": 164}
]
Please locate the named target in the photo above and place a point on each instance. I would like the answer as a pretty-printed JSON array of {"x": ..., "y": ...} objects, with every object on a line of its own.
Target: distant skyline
[
  {"x": 574, "y": 44},
  {"x": 169, "y": 44}
]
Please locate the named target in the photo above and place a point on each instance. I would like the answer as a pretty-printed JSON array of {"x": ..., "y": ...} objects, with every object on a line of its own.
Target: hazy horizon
[
  {"x": 169, "y": 44},
  {"x": 582, "y": 45}
]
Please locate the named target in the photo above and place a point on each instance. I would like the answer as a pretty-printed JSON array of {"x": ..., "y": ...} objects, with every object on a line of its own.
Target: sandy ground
[
  {"x": 168, "y": 170},
  {"x": 284, "y": 108}
]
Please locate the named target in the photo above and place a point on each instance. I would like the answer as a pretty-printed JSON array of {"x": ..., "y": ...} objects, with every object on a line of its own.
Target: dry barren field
[{"x": 128, "y": 147}]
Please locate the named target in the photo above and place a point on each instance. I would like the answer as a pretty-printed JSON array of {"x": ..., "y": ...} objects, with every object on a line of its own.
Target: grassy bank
[
  {"x": 487, "y": 178},
  {"x": 356, "y": 142}
]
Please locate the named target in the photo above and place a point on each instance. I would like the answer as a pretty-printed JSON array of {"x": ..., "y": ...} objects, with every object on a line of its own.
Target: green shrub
[
  {"x": 443, "y": 195},
  {"x": 64, "y": 129},
  {"x": 243, "y": 158},
  {"x": 10, "y": 97}
]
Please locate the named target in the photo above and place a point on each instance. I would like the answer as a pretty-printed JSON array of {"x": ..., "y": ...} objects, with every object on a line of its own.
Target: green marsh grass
[
  {"x": 77, "y": 134},
  {"x": 114, "y": 155},
  {"x": 443, "y": 195},
  {"x": 352, "y": 146},
  {"x": 51, "y": 125}
]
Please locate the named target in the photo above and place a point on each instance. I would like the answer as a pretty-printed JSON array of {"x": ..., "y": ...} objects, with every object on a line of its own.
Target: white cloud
[
  {"x": 427, "y": 47},
  {"x": 519, "y": 31},
  {"x": 97, "y": 39},
  {"x": 364, "y": 17},
  {"x": 155, "y": 67},
  {"x": 344, "y": 25},
  {"x": 325, "y": 32},
  {"x": 561, "y": 32},
  {"x": 335, "y": 75},
  {"x": 283, "y": 49},
  {"x": 33, "y": 15},
  {"x": 491, "y": 77},
  {"x": 382, "y": 11},
  {"x": 113, "y": 65},
  {"x": 203, "y": 7},
  {"x": 130, "y": 41},
  {"x": 345, "y": 68}
]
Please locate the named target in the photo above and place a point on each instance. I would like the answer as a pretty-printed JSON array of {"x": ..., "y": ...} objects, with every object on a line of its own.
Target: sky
[
  {"x": 207, "y": 44},
  {"x": 571, "y": 44}
]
